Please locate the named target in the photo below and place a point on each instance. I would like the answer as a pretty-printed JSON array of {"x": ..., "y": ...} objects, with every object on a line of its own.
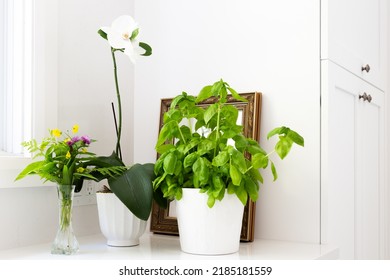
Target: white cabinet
[
  {"x": 352, "y": 157},
  {"x": 352, "y": 35}
]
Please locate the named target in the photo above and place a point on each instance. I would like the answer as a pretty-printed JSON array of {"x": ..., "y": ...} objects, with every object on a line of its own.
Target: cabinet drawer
[{"x": 353, "y": 36}]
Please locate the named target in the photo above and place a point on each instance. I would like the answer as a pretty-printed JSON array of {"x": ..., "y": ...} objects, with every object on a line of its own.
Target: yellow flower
[
  {"x": 80, "y": 170},
  {"x": 56, "y": 132},
  {"x": 67, "y": 140},
  {"x": 84, "y": 150},
  {"x": 67, "y": 155},
  {"x": 75, "y": 128}
]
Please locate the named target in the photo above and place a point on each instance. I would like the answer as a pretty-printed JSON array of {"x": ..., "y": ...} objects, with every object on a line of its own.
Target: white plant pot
[
  {"x": 119, "y": 226},
  {"x": 209, "y": 231}
]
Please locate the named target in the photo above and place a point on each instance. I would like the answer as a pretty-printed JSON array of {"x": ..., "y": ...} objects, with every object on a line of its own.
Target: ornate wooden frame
[{"x": 161, "y": 222}]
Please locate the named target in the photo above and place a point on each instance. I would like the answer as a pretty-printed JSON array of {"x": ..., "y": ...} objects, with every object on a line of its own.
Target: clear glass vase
[{"x": 65, "y": 242}]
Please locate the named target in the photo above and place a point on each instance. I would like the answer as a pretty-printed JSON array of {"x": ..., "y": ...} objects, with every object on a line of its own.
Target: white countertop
[{"x": 165, "y": 247}]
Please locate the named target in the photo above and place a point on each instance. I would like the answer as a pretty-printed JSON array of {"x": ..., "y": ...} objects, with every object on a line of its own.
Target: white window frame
[
  {"x": 17, "y": 75},
  {"x": 40, "y": 110}
]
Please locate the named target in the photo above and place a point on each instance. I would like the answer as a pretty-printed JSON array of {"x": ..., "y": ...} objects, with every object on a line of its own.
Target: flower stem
[
  {"x": 119, "y": 132},
  {"x": 217, "y": 129}
]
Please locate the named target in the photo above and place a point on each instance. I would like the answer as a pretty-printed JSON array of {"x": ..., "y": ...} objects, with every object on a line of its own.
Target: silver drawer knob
[{"x": 366, "y": 68}]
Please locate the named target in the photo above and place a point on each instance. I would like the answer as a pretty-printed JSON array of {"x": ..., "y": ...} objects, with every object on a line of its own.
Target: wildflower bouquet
[{"x": 66, "y": 158}]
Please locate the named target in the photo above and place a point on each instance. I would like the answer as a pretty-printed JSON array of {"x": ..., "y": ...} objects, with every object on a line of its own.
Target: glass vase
[{"x": 65, "y": 242}]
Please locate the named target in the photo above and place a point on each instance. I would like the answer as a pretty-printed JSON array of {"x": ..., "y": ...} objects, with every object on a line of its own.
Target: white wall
[
  {"x": 76, "y": 65},
  {"x": 387, "y": 133},
  {"x": 267, "y": 46}
]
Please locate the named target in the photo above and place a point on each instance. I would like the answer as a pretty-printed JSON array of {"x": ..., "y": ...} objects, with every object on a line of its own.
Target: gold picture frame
[{"x": 163, "y": 220}]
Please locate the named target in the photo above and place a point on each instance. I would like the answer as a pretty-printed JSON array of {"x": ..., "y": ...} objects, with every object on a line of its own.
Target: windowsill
[
  {"x": 7, "y": 180},
  {"x": 164, "y": 247},
  {"x": 10, "y": 167}
]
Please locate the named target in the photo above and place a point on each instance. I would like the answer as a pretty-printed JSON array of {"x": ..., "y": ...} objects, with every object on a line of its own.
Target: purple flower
[
  {"x": 86, "y": 139},
  {"x": 73, "y": 141}
]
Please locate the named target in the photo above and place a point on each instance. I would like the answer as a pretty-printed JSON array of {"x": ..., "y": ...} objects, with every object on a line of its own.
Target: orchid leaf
[
  {"x": 103, "y": 34},
  {"x": 147, "y": 48},
  {"x": 134, "y": 188}
]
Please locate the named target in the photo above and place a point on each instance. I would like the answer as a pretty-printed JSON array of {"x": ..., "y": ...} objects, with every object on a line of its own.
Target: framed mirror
[{"x": 164, "y": 220}]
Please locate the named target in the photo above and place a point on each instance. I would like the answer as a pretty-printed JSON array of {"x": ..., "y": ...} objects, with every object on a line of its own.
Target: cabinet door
[
  {"x": 352, "y": 183},
  {"x": 353, "y": 36},
  {"x": 369, "y": 192}
]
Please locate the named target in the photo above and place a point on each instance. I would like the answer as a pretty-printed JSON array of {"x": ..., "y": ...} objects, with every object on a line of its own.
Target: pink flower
[
  {"x": 86, "y": 139},
  {"x": 73, "y": 141}
]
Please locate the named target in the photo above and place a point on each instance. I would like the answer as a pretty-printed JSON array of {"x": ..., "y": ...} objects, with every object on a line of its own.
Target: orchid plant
[
  {"x": 122, "y": 36},
  {"x": 134, "y": 186}
]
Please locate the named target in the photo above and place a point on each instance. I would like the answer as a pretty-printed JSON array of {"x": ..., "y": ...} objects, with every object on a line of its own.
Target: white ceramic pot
[
  {"x": 117, "y": 223},
  {"x": 209, "y": 231}
]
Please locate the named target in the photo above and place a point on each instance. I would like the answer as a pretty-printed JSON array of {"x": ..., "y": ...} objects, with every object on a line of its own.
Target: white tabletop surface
[{"x": 165, "y": 247}]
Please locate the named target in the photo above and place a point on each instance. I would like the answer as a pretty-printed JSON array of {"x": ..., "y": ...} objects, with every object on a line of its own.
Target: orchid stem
[
  {"x": 119, "y": 130},
  {"x": 116, "y": 127}
]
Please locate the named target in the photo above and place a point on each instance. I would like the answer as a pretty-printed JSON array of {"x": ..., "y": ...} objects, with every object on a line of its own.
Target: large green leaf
[
  {"x": 134, "y": 188},
  {"x": 30, "y": 169}
]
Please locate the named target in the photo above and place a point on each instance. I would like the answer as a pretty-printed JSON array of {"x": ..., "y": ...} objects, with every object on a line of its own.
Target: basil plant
[{"x": 191, "y": 158}]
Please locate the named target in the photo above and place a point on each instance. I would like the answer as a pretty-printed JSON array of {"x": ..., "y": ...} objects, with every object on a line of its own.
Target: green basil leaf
[
  {"x": 235, "y": 175},
  {"x": 210, "y": 201},
  {"x": 239, "y": 161},
  {"x": 256, "y": 175},
  {"x": 236, "y": 95},
  {"x": 242, "y": 194},
  {"x": 190, "y": 159},
  {"x": 274, "y": 173},
  {"x": 201, "y": 171},
  {"x": 252, "y": 188},
  {"x": 278, "y": 130},
  {"x": 204, "y": 94},
  {"x": 221, "y": 159},
  {"x": 259, "y": 160},
  {"x": 205, "y": 145},
  {"x": 170, "y": 163},
  {"x": 210, "y": 112},
  {"x": 283, "y": 146},
  {"x": 296, "y": 138}
]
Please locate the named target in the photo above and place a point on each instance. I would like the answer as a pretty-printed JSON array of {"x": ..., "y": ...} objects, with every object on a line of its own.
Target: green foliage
[{"x": 206, "y": 160}]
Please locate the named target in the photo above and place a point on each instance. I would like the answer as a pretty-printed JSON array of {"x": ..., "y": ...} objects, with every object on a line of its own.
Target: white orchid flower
[{"x": 120, "y": 36}]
